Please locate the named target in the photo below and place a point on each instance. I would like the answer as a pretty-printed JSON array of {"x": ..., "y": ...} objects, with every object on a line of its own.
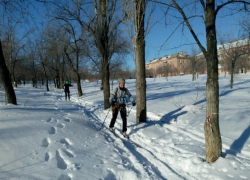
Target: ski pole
[
  {"x": 129, "y": 111},
  {"x": 105, "y": 119}
]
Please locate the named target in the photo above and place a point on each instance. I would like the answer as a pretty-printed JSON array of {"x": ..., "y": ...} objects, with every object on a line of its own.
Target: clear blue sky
[
  {"x": 157, "y": 44},
  {"x": 158, "y": 35}
]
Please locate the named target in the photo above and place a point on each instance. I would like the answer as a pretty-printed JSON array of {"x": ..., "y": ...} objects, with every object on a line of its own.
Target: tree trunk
[
  {"x": 104, "y": 51},
  {"x": 106, "y": 86},
  {"x": 211, "y": 126},
  {"x": 5, "y": 79},
  {"x": 46, "y": 77},
  {"x": 232, "y": 75},
  {"x": 139, "y": 44},
  {"x": 193, "y": 75},
  {"x": 78, "y": 82},
  {"x": 75, "y": 70}
]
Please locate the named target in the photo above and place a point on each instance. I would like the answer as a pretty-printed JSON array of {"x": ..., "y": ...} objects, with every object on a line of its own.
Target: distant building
[
  {"x": 169, "y": 65},
  {"x": 181, "y": 63},
  {"x": 238, "y": 51}
]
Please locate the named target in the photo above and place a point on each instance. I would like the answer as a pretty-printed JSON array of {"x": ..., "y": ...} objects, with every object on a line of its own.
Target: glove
[{"x": 133, "y": 103}]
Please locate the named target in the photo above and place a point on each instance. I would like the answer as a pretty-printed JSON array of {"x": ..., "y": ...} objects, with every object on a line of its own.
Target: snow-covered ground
[{"x": 45, "y": 137}]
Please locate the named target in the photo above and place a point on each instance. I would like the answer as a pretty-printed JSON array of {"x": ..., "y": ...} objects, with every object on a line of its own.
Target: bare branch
[{"x": 231, "y": 2}]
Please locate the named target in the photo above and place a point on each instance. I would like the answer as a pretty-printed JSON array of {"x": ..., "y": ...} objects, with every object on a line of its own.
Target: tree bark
[
  {"x": 106, "y": 86},
  {"x": 104, "y": 52},
  {"x": 139, "y": 44},
  {"x": 6, "y": 80},
  {"x": 211, "y": 126}
]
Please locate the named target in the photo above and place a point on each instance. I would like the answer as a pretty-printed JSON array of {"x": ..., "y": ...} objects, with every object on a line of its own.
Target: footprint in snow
[
  {"x": 46, "y": 142},
  {"x": 61, "y": 162},
  {"x": 65, "y": 141},
  {"x": 49, "y": 120},
  {"x": 67, "y": 120},
  {"x": 48, "y": 156},
  {"x": 68, "y": 153},
  {"x": 64, "y": 177},
  {"x": 52, "y": 130},
  {"x": 60, "y": 125}
]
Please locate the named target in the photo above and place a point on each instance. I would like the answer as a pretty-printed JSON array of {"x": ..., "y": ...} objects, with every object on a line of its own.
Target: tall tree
[
  {"x": 73, "y": 51},
  {"x": 196, "y": 64},
  {"x": 135, "y": 10},
  {"x": 139, "y": 45},
  {"x": 210, "y": 11},
  {"x": 101, "y": 19},
  {"x": 233, "y": 52}
]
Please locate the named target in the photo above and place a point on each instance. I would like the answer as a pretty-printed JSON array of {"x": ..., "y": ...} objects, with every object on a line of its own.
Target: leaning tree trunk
[
  {"x": 5, "y": 79},
  {"x": 139, "y": 44},
  {"x": 211, "y": 126}
]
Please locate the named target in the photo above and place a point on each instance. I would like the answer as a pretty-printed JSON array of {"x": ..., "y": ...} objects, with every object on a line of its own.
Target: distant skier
[
  {"x": 66, "y": 90},
  {"x": 118, "y": 102}
]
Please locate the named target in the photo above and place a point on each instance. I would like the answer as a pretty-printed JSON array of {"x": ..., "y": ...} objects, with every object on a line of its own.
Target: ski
[
  {"x": 125, "y": 139},
  {"x": 125, "y": 136},
  {"x": 113, "y": 132}
]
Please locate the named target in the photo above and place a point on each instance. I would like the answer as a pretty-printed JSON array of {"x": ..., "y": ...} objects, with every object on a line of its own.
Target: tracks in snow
[{"x": 64, "y": 155}]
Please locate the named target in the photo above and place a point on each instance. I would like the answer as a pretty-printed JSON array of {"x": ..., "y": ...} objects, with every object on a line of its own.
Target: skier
[
  {"x": 118, "y": 103},
  {"x": 66, "y": 90}
]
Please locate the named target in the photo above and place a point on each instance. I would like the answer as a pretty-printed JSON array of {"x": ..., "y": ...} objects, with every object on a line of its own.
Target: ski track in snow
[
  {"x": 133, "y": 155},
  {"x": 152, "y": 157}
]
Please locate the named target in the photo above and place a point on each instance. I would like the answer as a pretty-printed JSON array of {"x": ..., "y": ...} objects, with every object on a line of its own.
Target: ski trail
[{"x": 153, "y": 156}]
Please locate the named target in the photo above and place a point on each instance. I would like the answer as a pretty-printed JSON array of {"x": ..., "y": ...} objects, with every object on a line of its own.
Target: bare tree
[
  {"x": 210, "y": 12},
  {"x": 43, "y": 58},
  {"x": 72, "y": 49},
  {"x": 8, "y": 8},
  {"x": 101, "y": 20},
  {"x": 233, "y": 52},
  {"x": 136, "y": 10},
  {"x": 196, "y": 64}
]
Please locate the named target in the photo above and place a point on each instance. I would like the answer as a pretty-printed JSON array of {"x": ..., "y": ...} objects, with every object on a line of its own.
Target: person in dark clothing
[
  {"x": 66, "y": 90},
  {"x": 118, "y": 102}
]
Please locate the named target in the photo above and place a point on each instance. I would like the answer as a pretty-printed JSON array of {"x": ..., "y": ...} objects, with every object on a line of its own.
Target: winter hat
[
  {"x": 67, "y": 82},
  {"x": 121, "y": 80}
]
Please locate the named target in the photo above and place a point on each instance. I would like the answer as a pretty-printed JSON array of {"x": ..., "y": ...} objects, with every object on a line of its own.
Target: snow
[{"x": 45, "y": 137}]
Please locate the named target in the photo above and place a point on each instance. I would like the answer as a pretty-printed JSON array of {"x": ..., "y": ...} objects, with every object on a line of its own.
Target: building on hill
[{"x": 169, "y": 65}]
